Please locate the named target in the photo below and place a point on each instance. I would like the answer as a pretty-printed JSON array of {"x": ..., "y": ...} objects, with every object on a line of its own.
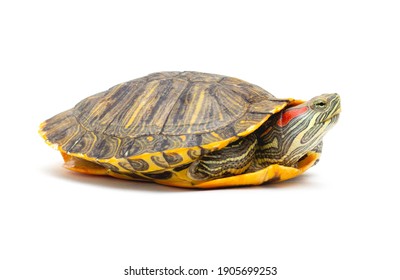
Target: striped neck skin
[{"x": 287, "y": 136}]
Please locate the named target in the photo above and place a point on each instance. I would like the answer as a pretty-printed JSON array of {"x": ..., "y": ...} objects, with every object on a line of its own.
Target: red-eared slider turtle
[{"x": 191, "y": 129}]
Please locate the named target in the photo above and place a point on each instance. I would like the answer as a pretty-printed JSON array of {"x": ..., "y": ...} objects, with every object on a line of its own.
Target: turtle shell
[{"x": 161, "y": 120}]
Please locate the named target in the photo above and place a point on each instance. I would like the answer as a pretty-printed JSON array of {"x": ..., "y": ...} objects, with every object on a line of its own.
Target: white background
[{"x": 338, "y": 221}]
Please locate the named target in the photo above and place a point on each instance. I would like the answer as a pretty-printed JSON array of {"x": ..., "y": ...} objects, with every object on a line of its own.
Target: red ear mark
[{"x": 290, "y": 114}]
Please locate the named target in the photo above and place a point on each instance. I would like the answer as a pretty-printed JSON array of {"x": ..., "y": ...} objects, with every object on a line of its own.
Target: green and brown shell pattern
[{"x": 152, "y": 126}]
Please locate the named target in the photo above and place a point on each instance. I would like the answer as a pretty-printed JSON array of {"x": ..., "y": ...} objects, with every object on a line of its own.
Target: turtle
[{"x": 192, "y": 130}]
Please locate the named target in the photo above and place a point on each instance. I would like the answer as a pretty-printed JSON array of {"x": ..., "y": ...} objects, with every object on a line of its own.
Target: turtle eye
[{"x": 319, "y": 104}]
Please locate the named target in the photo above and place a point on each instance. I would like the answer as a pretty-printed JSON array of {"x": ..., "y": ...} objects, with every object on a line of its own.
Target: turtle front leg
[{"x": 234, "y": 159}]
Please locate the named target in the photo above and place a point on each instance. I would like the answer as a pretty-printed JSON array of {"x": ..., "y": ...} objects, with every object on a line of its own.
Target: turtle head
[
  {"x": 299, "y": 129},
  {"x": 324, "y": 109}
]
